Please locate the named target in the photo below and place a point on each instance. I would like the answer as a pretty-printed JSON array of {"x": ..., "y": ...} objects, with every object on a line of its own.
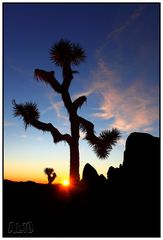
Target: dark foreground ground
[
  {"x": 126, "y": 204},
  {"x": 38, "y": 210}
]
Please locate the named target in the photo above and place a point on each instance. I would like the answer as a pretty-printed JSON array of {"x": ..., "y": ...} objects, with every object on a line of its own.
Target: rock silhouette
[
  {"x": 137, "y": 183},
  {"x": 92, "y": 181},
  {"x": 142, "y": 153},
  {"x": 90, "y": 175},
  {"x": 141, "y": 163}
]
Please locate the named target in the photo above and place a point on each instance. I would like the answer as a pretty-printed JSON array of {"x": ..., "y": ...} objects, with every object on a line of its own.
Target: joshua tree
[
  {"x": 51, "y": 174},
  {"x": 65, "y": 54}
]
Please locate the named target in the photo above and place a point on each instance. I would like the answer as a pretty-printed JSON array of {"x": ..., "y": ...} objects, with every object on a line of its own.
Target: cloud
[
  {"x": 98, "y": 80},
  {"x": 25, "y": 136},
  {"x": 135, "y": 14},
  {"x": 17, "y": 68},
  {"x": 114, "y": 34},
  {"x": 128, "y": 105},
  {"x": 86, "y": 93},
  {"x": 132, "y": 108},
  {"x": 122, "y": 141},
  {"x": 56, "y": 106},
  {"x": 82, "y": 135},
  {"x": 94, "y": 86},
  {"x": 9, "y": 124}
]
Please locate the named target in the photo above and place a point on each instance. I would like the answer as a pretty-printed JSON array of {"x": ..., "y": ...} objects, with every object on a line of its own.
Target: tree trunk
[
  {"x": 74, "y": 163},
  {"x": 74, "y": 150}
]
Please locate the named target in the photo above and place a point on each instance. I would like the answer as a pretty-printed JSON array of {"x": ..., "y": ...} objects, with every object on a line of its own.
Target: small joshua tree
[
  {"x": 51, "y": 174},
  {"x": 65, "y": 54}
]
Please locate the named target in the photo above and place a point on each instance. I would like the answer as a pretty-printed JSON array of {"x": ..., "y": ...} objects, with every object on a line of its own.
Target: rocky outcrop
[
  {"x": 90, "y": 175},
  {"x": 142, "y": 148},
  {"x": 140, "y": 171},
  {"x": 91, "y": 179},
  {"x": 141, "y": 164},
  {"x": 136, "y": 184},
  {"x": 142, "y": 158}
]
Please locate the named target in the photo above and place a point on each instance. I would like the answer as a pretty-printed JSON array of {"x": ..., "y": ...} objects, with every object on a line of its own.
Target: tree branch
[
  {"x": 101, "y": 145},
  {"x": 67, "y": 73},
  {"x": 88, "y": 127},
  {"x": 79, "y": 102},
  {"x": 48, "y": 127},
  {"x": 67, "y": 100},
  {"x": 48, "y": 78},
  {"x": 30, "y": 115},
  {"x": 67, "y": 76}
]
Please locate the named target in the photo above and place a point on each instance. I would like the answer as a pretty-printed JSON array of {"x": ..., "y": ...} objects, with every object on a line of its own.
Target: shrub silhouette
[
  {"x": 51, "y": 174},
  {"x": 65, "y": 54}
]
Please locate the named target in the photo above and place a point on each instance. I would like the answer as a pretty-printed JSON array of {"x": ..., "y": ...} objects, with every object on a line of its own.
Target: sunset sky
[{"x": 120, "y": 78}]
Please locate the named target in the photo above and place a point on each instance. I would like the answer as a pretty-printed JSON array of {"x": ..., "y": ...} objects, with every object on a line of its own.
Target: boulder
[
  {"x": 141, "y": 179},
  {"x": 142, "y": 156},
  {"x": 90, "y": 175}
]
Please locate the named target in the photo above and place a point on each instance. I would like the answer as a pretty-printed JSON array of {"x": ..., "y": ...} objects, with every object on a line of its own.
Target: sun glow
[{"x": 65, "y": 183}]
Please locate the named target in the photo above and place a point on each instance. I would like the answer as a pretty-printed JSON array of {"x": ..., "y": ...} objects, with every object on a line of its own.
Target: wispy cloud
[
  {"x": 136, "y": 13},
  {"x": 85, "y": 93},
  {"x": 57, "y": 107},
  {"x": 114, "y": 34},
  {"x": 9, "y": 124},
  {"x": 134, "y": 107},
  {"x": 18, "y": 68},
  {"x": 25, "y": 136},
  {"x": 82, "y": 135},
  {"x": 131, "y": 106},
  {"x": 97, "y": 81}
]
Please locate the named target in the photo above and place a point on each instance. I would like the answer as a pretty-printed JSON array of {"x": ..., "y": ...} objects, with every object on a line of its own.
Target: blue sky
[{"x": 120, "y": 78}]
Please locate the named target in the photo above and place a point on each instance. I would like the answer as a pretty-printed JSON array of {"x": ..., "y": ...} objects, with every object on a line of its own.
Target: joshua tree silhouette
[
  {"x": 65, "y": 54},
  {"x": 51, "y": 174}
]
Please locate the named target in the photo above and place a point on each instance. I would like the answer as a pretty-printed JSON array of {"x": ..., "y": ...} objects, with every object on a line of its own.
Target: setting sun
[{"x": 65, "y": 183}]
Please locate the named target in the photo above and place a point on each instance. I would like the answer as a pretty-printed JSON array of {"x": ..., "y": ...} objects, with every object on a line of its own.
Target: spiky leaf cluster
[
  {"x": 28, "y": 111},
  {"x": 65, "y": 52},
  {"x": 102, "y": 145},
  {"x": 44, "y": 76}
]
